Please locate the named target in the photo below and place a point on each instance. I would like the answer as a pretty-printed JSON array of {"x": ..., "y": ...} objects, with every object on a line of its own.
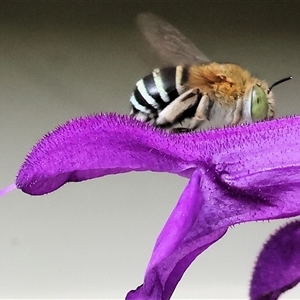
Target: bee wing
[{"x": 169, "y": 43}]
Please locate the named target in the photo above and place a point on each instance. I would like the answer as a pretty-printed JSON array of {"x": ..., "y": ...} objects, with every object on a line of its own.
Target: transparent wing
[{"x": 169, "y": 43}]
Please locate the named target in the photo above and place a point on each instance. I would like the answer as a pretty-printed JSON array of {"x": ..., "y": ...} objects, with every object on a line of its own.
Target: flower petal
[
  {"x": 179, "y": 243},
  {"x": 278, "y": 266},
  {"x": 95, "y": 146},
  {"x": 210, "y": 207}
]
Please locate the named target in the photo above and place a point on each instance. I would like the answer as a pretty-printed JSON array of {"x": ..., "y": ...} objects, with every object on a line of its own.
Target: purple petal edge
[{"x": 278, "y": 265}]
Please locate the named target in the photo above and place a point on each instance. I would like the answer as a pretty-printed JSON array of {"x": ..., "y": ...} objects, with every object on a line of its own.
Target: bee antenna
[{"x": 280, "y": 81}]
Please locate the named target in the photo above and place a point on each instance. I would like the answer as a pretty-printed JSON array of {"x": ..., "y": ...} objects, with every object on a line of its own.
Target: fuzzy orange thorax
[{"x": 224, "y": 83}]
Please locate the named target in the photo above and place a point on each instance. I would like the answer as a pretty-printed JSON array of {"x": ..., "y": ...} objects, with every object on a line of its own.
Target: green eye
[{"x": 259, "y": 104}]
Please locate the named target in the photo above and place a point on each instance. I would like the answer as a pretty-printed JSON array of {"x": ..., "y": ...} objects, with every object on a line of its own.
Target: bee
[{"x": 194, "y": 90}]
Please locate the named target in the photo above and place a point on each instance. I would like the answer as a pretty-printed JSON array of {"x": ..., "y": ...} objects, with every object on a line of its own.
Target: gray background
[{"x": 63, "y": 59}]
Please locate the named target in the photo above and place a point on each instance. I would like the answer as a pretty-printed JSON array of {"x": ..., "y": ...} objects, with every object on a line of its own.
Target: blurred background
[{"x": 62, "y": 59}]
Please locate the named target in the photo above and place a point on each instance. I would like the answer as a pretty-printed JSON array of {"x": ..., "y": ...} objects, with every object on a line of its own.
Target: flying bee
[{"x": 192, "y": 89}]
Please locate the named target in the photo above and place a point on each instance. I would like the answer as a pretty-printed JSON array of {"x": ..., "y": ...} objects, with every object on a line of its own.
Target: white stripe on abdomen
[{"x": 160, "y": 85}]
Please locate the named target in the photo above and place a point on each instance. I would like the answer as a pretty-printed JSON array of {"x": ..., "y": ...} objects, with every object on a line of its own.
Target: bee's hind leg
[
  {"x": 170, "y": 115},
  {"x": 143, "y": 117},
  {"x": 201, "y": 115},
  {"x": 180, "y": 130}
]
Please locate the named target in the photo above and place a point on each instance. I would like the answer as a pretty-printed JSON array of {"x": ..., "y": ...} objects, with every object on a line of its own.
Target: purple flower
[
  {"x": 236, "y": 175},
  {"x": 278, "y": 266}
]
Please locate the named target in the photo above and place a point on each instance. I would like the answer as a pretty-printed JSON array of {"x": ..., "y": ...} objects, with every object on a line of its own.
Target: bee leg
[
  {"x": 141, "y": 116},
  {"x": 176, "y": 108},
  {"x": 237, "y": 113},
  {"x": 180, "y": 130},
  {"x": 201, "y": 114},
  {"x": 144, "y": 117}
]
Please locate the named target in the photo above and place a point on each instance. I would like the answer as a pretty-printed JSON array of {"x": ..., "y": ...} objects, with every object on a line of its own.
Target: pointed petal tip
[{"x": 7, "y": 189}]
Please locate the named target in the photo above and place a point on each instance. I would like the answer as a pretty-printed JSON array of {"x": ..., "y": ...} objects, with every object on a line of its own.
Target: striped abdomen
[{"x": 156, "y": 90}]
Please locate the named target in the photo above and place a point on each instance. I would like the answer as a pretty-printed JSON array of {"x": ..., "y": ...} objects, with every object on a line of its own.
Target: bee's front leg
[
  {"x": 238, "y": 112},
  {"x": 201, "y": 114}
]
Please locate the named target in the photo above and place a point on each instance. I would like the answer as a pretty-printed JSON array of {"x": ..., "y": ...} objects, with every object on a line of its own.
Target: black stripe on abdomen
[
  {"x": 156, "y": 90},
  {"x": 152, "y": 90},
  {"x": 184, "y": 75},
  {"x": 168, "y": 76},
  {"x": 140, "y": 99}
]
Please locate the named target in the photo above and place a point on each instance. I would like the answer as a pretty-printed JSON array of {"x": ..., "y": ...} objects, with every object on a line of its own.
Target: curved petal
[
  {"x": 177, "y": 246},
  {"x": 95, "y": 146},
  {"x": 278, "y": 265},
  {"x": 206, "y": 209}
]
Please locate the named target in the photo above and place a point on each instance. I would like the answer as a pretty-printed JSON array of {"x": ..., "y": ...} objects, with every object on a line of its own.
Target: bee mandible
[{"x": 194, "y": 90}]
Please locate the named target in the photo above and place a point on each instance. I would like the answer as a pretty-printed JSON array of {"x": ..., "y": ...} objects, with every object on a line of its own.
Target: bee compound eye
[{"x": 259, "y": 104}]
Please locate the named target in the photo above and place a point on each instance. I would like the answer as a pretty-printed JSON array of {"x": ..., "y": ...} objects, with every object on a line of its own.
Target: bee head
[{"x": 262, "y": 102}]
